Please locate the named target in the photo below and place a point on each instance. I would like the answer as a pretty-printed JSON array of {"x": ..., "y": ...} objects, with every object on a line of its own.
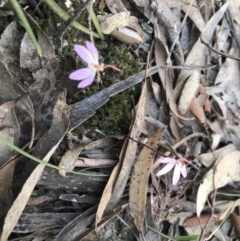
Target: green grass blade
[
  {"x": 96, "y": 24},
  {"x": 26, "y": 25},
  {"x": 63, "y": 15},
  {"x": 6, "y": 142},
  {"x": 95, "y": 21}
]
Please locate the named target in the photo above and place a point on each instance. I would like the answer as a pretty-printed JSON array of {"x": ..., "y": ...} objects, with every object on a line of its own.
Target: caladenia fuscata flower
[
  {"x": 90, "y": 55},
  {"x": 179, "y": 168}
]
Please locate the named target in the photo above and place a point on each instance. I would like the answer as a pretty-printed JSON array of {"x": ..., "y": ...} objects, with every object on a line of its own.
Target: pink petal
[
  {"x": 92, "y": 49},
  {"x": 84, "y": 53},
  {"x": 176, "y": 174},
  {"x": 184, "y": 171},
  {"x": 167, "y": 160},
  {"x": 80, "y": 74},
  {"x": 166, "y": 169},
  {"x": 86, "y": 82}
]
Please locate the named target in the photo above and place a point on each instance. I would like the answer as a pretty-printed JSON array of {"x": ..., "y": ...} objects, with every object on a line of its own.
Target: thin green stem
[
  {"x": 26, "y": 25},
  {"x": 62, "y": 14},
  {"x": 6, "y": 142}
]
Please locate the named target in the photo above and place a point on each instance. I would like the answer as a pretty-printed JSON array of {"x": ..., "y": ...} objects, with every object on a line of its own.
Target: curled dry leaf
[
  {"x": 123, "y": 27},
  {"x": 111, "y": 22},
  {"x": 220, "y": 175}
]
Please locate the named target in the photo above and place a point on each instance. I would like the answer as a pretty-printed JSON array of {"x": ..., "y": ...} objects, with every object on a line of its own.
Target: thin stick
[
  {"x": 195, "y": 67},
  {"x": 217, "y": 52},
  {"x": 180, "y": 30}
]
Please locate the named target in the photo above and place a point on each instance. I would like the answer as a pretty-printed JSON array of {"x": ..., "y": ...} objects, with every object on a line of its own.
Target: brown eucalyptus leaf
[
  {"x": 140, "y": 178},
  {"x": 119, "y": 176}
]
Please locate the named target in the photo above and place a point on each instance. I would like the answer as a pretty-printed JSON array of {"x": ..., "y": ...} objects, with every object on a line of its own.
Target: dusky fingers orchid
[
  {"x": 89, "y": 55},
  {"x": 180, "y": 168}
]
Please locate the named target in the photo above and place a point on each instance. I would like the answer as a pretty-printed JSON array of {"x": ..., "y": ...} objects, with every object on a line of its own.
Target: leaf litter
[{"x": 190, "y": 91}]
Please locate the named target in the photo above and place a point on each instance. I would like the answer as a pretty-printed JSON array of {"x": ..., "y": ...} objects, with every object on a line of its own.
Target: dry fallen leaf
[
  {"x": 194, "y": 14},
  {"x": 119, "y": 176},
  {"x": 188, "y": 92},
  {"x": 140, "y": 177},
  {"x": 207, "y": 159},
  {"x": 197, "y": 54},
  {"x": 220, "y": 175},
  {"x": 123, "y": 27},
  {"x": 203, "y": 219}
]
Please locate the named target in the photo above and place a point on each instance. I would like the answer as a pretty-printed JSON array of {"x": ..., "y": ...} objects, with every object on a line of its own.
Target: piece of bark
[
  {"x": 51, "y": 179},
  {"x": 32, "y": 222}
]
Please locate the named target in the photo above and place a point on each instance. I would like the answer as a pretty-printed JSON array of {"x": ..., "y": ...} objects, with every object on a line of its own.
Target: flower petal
[
  {"x": 176, "y": 174},
  {"x": 167, "y": 160},
  {"x": 80, "y": 74},
  {"x": 166, "y": 169},
  {"x": 86, "y": 82},
  {"x": 184, "y": 171},
  {"x": 84, "y": 54},
  {"x": 92, "y": 49}
]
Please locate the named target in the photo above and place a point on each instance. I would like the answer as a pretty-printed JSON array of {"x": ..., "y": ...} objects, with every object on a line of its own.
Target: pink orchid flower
[
  {"x": 90, "y": 55},
  {"x": 180, "y": 168}
]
